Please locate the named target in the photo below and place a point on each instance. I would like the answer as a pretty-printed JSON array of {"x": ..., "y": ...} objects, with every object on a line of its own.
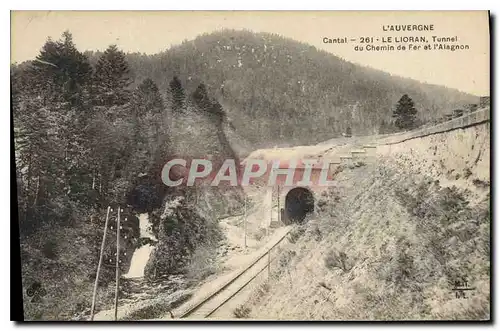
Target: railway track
[{"x": 210, "y": 304}]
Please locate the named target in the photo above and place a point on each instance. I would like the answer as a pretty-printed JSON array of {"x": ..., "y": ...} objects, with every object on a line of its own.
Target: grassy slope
[{"x": 386, "y": 244}]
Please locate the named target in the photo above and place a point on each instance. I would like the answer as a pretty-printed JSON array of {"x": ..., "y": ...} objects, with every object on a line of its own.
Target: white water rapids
[{"x": 141, "y": 254}]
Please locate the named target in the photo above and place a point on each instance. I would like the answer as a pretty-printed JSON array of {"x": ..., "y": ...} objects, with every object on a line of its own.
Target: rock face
[
  {"x": 399, "y": 231},
  {"x": 180, "y": 229},
  {"x": 459, "y": 157},
  {"x": 187, "y": 216}
]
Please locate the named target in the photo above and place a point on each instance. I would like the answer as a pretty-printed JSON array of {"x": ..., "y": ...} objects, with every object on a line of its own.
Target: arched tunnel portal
[{"x": 299, "y": 202}]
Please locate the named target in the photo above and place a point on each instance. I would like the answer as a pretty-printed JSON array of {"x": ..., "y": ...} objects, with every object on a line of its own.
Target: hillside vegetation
[
  {"x": 395, "y": 256},
  {"x": 87, "y": 138},
  {"x": 392, "y": 239}
]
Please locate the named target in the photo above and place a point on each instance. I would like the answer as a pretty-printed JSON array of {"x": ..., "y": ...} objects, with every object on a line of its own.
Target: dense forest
[
  {"x": 287, "y": 89},
  {"x": 94, "y": 129}
]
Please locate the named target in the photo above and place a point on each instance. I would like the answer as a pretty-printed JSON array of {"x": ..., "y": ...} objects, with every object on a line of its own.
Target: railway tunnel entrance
[{"x": 298, "y": 203}]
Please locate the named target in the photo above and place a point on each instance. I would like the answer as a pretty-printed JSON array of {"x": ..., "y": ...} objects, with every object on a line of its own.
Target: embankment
[
  {"x": 393, "y": 238},
  {"x": 456, "y": 153}
]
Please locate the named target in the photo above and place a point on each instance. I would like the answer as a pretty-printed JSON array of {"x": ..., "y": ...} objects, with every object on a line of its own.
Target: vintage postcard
[{"x": 251, "y": 165}]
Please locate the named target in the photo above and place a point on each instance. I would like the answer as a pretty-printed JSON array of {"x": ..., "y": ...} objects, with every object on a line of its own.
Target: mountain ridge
[
  {"x": 277, "y": 83},
  {"x": 287, "y": 89}
]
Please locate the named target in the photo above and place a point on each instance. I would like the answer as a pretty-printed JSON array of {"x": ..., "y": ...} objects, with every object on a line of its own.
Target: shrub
[
  {"x": 241, "y": 312},
  {"x": 184, "y": 236},
  {"x": 296, "y": 233},
  {"x": 337, "y": 259},
  {"x": 261, "y": 233}
]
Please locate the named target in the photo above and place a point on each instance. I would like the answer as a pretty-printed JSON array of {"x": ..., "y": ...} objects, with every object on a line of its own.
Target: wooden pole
[
  {"x": 117, "y": 262},
  {"x": 269, "y": 264},
  {"x": 279, "y": 210},
  {"x": 245, "y": 223},
  {"x": 270, "y": 212},
  {"x": 99, "y": 265}
]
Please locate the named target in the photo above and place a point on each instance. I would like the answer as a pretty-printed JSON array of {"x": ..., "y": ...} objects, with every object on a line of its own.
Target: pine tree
[
  {"x": 60, "y": 71},
  {"x": 405, "y": 113},
  {"x": 112, "y": 140},
  {"x": 49, "y": 98},
  {"x": 217, "y": 111},
  {"x": 177, "y": 94},
  {"x": 348, "y": 132},
  {"x": 146, "y": 100},
  {"x": 69, "y": 74},
  {"x": 39, "y": 161},
  {"x": 112, "y": 78},
  {"x": 201, "y": 99},
  {"x": 147, "y": 118}
]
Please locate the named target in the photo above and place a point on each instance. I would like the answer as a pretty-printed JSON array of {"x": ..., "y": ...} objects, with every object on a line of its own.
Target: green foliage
[
  {"x": 77, "y": 154},
  {"x": 60, "y": 71},
  {"x": 241, "y": 312},
  {"x": 181, "y": 230},
  {"x": 66, "y": 270},
  {"x": 397, "y": 255},
  {"x": 147, "y": 98},
  {"x": 456, "y": 233},
  {"x": 111, "y": 78},
  {"x": 405, "y": 113},
  {"x": 73, "y": 158},
  {"x": 337, "y": 259},
  {"x": 201, "y": 98},
  {"x": 149, "y": 127}
]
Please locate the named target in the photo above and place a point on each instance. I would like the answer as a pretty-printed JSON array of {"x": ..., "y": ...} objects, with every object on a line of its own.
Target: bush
[
  {"x": 296, "y": 233},
  {"x": 286, "y": 258},
  {"x": 261, "y": 233},
  {"x": 337, "y": 259},
  {"x": 201, "y": 263},
  {"x": 241, "y": 312},
  {"x": 184, "y": 235},
  {"x": 65, "y": 264}
]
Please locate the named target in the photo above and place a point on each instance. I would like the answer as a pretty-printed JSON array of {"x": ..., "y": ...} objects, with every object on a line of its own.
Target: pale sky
[{"x": 151, "y": 32}]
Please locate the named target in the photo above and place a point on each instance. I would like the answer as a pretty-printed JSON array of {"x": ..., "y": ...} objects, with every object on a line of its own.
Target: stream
[{"x": 141, "y": 254}]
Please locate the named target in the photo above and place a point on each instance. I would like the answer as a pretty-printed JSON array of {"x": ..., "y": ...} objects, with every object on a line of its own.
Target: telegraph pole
[
  {"x": 117, "y": 262},
  {"x": 279, "y": 210},
  {"x": 269, "y": 264},
  {"x": 270, "y": 212},
  {"x": 245, "y": 222},
  {"x": 99, "y": 264}
]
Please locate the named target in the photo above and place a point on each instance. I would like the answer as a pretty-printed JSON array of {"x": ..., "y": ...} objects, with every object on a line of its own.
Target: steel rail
[{"x": 201, "y": 302}]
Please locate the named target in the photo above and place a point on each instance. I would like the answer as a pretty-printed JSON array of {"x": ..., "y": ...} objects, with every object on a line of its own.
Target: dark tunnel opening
[
  {"x": 143, "y": 198},
  {"x": 298, "y": 203},
  {"x": 147, "y": 194}
]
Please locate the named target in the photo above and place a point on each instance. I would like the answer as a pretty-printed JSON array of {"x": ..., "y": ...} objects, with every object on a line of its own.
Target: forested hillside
[
  {"x": 277, "y": 90},
  {"x": 86, "y": 136}
]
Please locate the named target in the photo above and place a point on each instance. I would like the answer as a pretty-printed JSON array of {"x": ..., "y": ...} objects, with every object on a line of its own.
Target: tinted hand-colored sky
[{"x": 151, "y": 32}]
